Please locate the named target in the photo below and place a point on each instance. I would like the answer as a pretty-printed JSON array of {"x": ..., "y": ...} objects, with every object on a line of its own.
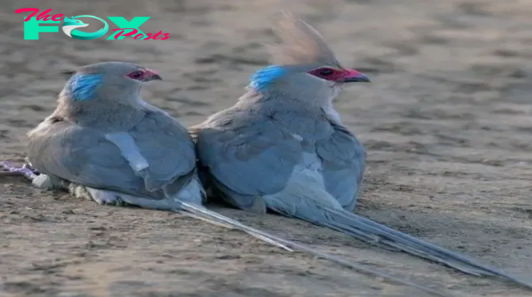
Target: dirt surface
[{"x": 446, "y": 123}]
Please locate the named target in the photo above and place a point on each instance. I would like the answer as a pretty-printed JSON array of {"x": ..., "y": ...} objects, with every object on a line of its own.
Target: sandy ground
[{"x": 446, "y": 123}]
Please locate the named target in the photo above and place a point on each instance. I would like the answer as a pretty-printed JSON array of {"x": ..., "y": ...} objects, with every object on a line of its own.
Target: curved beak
[
  {"x": 356, "y": 76},
  {"x": 152, "y": 75},
  {"x": 156, "y": 77}
]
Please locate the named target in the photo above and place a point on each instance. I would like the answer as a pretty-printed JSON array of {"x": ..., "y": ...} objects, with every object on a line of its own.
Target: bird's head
[
  {"x": 120, "y": 82},
  {"x": 303, "y": 59}
]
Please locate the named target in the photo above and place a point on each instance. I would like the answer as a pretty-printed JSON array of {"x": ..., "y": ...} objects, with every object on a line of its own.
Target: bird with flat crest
[{"x": 283, "y": 147}]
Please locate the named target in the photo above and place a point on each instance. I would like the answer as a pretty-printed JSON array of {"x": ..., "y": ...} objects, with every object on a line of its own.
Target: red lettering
[
  {"x": 119, "y": 33},
  {"x": 22, "y": 10},
  {"x": 140, "y": 36},
  {"x": 156, "y": 35},
  {"x": 149, "y": 36},
  {"x": 44, "y": 15},
  {"x": 58, "y": 17},
  {"x": 134, "y": 31}
]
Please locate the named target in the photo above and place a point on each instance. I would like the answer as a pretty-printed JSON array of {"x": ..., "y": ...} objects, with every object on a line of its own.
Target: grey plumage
[
  {"x": 86, "y": 141},
  {"x": 282, "y": 146},
  {"x": 81, "y": 155},
  {"x": 103, "y": 142}
]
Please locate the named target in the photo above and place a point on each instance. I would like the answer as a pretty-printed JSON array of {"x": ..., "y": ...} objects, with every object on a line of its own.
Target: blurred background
[{"x": 446, "y": 122}]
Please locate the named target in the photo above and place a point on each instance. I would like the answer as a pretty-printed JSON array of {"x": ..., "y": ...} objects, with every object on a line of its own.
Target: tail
[
  {"x": 375, "y": 233},
  {"x": 212, "y": 217},
  {"x": 202, "y": 213}
]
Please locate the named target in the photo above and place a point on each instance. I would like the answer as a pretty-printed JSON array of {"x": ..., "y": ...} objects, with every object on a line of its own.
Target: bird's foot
[
  {"x": 99, "y": 196},
  {"x": 25, "y": 170},
  {"x": 47, "y": 182}
]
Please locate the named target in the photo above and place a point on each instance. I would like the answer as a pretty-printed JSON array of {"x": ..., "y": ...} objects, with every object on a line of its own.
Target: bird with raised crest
[{"x": 283, "y": 147}]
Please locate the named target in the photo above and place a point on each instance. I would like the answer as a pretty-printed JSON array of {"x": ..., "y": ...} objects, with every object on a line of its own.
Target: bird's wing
[
  {"x": 86, "y": 156},
  {"x": 81, "y": 155},
  {"x": 169, "y": 150},
  {"x": 249, "y": 157},
  {"x": 343, "y": 162}
]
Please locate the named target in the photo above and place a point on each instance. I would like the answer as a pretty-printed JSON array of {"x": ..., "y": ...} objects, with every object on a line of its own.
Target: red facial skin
[
  {"x": 334, "y": 74},
  {"x": 143, "y": 74}
]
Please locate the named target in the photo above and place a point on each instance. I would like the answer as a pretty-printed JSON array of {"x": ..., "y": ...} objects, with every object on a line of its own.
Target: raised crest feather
[{"x": 299, "y": 43}]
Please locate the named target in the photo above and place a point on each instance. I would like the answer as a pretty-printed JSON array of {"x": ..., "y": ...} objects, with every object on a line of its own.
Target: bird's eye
[
  {"x": 136, "y": 74},
  {"x": 326, "y": 72}
]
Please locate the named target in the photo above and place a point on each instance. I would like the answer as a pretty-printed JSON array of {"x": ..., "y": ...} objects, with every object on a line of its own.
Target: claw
[
  {"x": 28, "y": 163},
  {"x": 11, "y": 170}
]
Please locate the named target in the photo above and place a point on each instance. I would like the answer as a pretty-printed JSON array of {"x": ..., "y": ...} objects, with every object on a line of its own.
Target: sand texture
[{"x": 446, "y": 123}]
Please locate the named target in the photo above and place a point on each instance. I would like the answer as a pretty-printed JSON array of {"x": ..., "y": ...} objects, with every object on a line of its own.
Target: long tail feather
[
  {"x": 219, "y": 220},
  {"x": 375, "y": 233},
  {"x": 202, "y": 213}
]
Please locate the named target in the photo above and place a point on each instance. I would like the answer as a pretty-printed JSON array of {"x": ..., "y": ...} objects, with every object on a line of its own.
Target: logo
[
  {"x": 71, "y": 24},
  {"x": 35, "y": 24}
]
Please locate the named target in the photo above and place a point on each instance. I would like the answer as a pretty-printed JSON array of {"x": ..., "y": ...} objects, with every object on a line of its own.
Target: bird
[
  {"x": 283, "y": 147},
  {"x": 104, "y": 143}
]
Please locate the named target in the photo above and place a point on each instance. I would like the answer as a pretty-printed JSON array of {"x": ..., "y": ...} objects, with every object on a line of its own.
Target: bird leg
[
  {"x": 101, "y": 197},
  {"x": 25, "y": 170}
]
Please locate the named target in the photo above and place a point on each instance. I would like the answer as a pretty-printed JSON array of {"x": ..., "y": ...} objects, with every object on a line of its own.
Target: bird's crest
[
  {"x": 83, "y": 86},
  {"x": 300, "y": 44},
  {"x": 300, "y": 47}
]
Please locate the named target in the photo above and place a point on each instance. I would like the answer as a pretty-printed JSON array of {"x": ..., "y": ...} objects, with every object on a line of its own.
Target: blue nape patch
[
  {"x": 262, "y": 78},
  {"x": 83, "y": 86}
]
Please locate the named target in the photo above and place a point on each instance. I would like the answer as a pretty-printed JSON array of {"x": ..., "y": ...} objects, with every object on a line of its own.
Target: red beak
[{"x": 355, "y": 76}]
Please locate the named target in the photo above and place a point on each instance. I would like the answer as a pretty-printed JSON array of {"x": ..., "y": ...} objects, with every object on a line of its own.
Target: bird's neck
[
  {"x": 105, "y": 115},
  {"x": 278, "y": 102},
  {"x": 304, "y": 99}
]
